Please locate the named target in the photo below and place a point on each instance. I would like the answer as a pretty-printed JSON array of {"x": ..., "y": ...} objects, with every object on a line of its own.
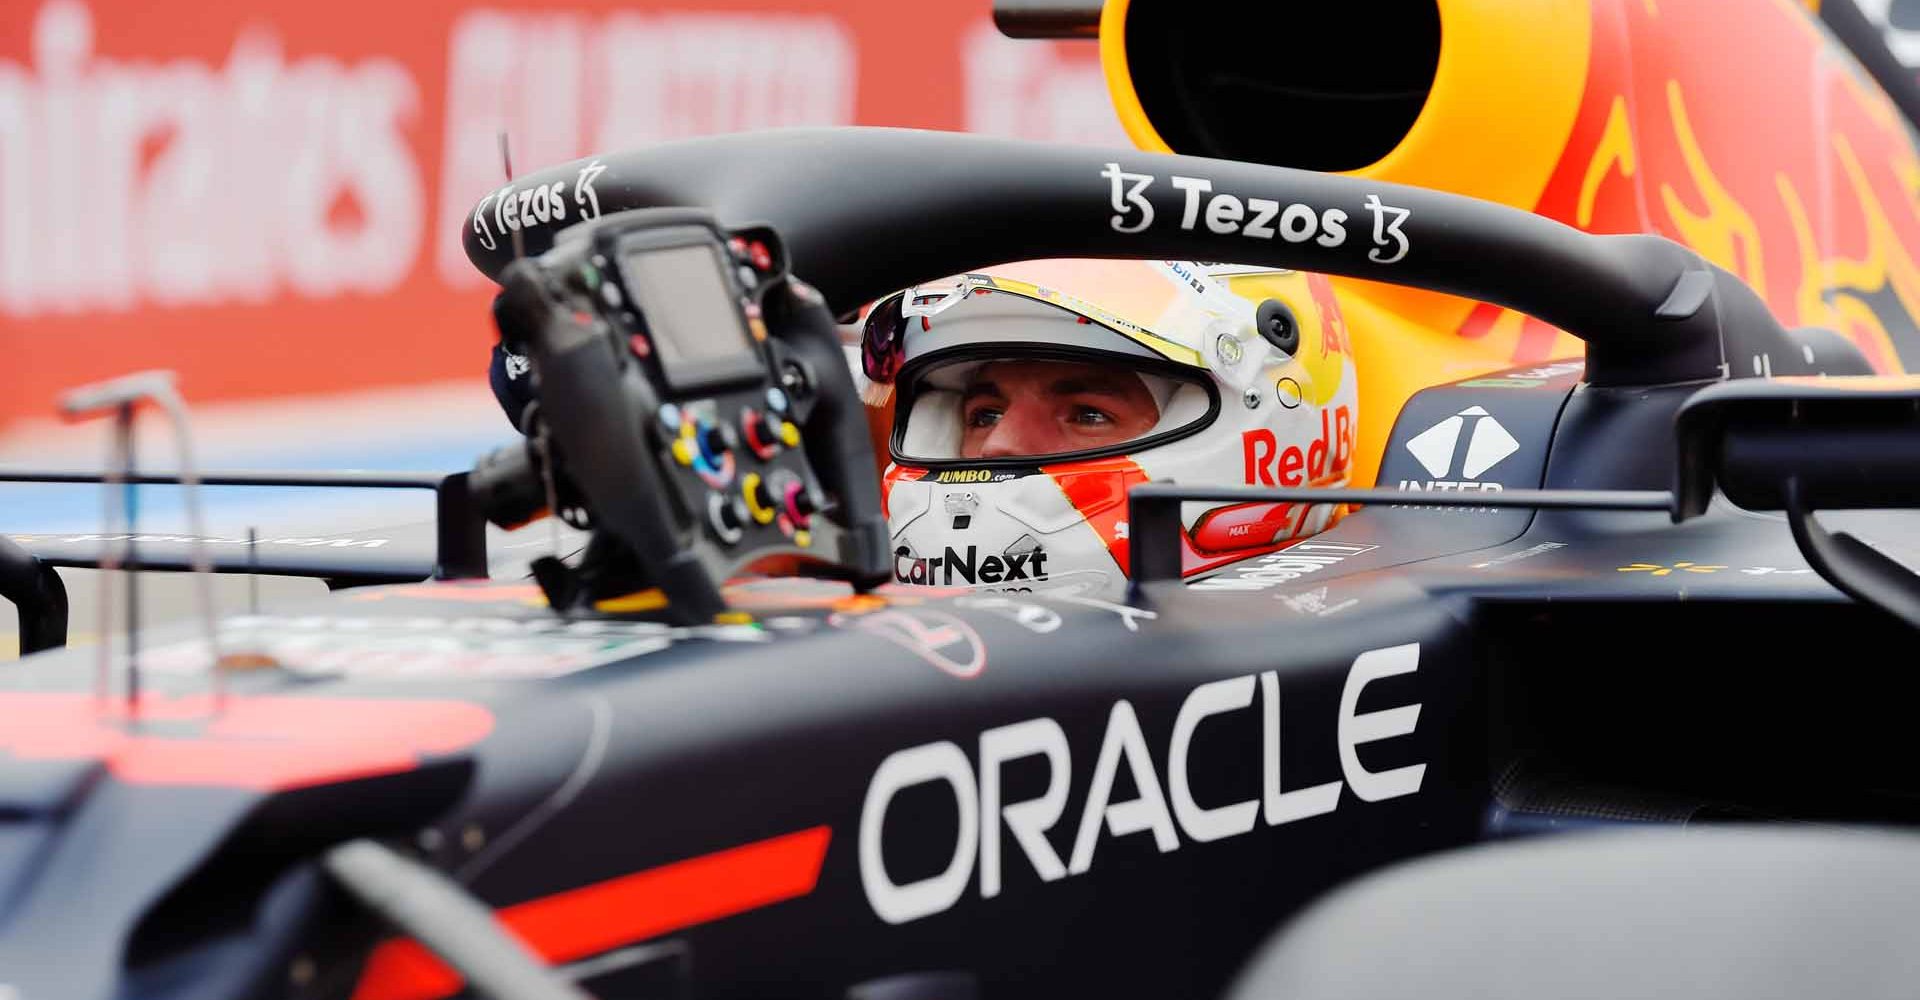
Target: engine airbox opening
[{"x": 1320, "y": 87}]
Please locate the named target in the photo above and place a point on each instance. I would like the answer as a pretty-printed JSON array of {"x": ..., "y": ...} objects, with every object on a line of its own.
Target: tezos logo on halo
[
  {"x": 1255, "y": 218},
  {"x": 514, "y": 208}
]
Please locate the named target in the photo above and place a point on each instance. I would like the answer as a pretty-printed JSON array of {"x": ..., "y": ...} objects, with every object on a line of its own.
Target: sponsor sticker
[
  {"x": 1315, "y": 603},
  {"x": 1265, "y": 463},
  {"x": 1036, "y": 618},
  {"x": 514, "y": 207},
  {"x": 967, "y": 566},
  {"x": 1684, "y": 567},
  {"x": 1284, "y": 566},
  {"x": 1459, "y": 450},
  {"x": 1226, "y": 214},
  {"x": 1514, "y": 557},
  {"x": 1162, "y": 803},
  {"x": 1130, "y": 616},
  {"x": 975, "y": 476},
  {"x": 938, "y": 637}
]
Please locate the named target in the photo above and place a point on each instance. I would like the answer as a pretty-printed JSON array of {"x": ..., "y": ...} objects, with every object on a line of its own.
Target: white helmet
[{"x": 1030, "y": 398}]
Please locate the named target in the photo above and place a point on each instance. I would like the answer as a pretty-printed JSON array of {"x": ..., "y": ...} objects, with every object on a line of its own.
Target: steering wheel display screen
[{"x": 693, "y": 315}]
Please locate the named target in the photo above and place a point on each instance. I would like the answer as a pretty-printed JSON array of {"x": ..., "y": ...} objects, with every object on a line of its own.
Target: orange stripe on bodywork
[
  {"x": 596, "y": 918},
  {"x": 1098, "y": 490}
]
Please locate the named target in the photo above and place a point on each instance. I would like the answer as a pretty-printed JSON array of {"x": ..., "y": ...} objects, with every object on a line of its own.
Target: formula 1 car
[
  {"x": 813, "y": 787},
  {"x": 1589, "y": 592}
]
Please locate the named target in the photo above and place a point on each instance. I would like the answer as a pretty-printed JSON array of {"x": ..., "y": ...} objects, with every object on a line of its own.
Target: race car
[
  {"x": 1612, "y": 574},
  {"x": 809, "y": 786}
]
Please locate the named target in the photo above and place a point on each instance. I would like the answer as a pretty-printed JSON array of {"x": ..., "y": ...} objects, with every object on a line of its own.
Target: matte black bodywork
[{"x": 1412, "y": 680}]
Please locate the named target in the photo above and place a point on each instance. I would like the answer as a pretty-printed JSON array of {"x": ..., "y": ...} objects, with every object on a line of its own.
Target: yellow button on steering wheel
[{"x": 750, "y": 490}]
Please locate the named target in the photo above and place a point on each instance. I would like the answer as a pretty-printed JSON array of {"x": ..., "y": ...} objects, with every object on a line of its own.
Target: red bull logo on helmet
[{"x": 1267, "y": 464}]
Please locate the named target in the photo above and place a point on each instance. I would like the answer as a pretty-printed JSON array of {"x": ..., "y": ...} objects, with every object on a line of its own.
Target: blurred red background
[{"x": 267, "y": 197}]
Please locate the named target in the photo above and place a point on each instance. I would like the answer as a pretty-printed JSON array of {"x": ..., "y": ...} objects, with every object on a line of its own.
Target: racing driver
[{"x": 1026, "y": 400}]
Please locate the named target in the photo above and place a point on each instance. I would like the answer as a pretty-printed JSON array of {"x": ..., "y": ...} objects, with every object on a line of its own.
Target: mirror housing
[
  {"x": 1850, "y": 443},
  {"x": 1803, "y": 444}
]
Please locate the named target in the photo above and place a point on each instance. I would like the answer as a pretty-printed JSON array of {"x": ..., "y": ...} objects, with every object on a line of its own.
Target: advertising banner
[{"x": 266, "y": 197}]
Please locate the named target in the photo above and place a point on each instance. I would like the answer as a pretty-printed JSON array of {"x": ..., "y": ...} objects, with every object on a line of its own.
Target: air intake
[{"x": 1321, "y": 87}]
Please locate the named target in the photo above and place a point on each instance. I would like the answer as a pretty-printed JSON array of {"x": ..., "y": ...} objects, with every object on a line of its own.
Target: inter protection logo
[{"x": 1438, "y": 447}]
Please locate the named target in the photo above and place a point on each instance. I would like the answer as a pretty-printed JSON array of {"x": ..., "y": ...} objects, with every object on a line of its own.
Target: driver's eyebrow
[{"x": 980, "y": 388}]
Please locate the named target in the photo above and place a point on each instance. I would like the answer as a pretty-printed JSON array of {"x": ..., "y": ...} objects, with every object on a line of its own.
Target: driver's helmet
[{"x": 1029, "y": 398}]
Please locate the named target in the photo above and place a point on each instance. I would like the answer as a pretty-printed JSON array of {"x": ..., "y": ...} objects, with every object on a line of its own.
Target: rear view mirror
[
  {"x": 1848, "y": 443},
  {"x": 1805, "y": 444}
]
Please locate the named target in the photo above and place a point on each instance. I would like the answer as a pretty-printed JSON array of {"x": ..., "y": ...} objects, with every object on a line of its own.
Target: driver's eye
[
  {"x": 983, "y": 416},
  {"x": 1091, "y": 416}
]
